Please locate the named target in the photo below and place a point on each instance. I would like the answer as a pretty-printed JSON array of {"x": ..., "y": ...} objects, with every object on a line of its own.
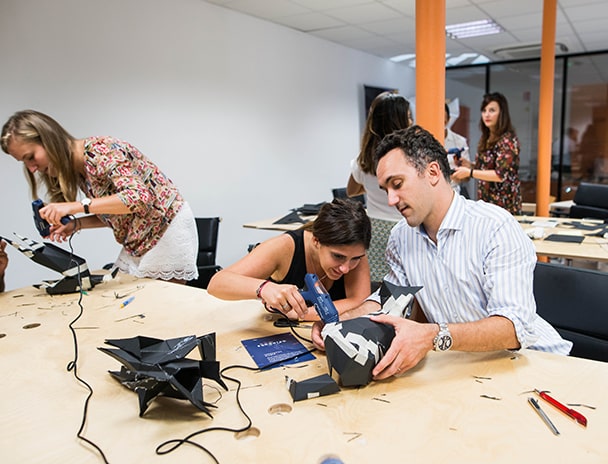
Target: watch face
[{"x": 444, "y": 343}]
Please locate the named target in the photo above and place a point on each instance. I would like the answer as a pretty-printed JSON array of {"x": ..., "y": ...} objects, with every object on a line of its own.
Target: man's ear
[{"x": 434, "y": 172}]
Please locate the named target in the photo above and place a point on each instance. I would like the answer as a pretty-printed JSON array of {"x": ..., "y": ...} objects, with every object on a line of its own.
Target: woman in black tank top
[{"x": 333, "y": 247}]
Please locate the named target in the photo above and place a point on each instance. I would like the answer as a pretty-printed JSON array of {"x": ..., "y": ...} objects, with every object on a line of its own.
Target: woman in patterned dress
[
  {"x": 496, "y": 168},
  {"x": 122, "y": 190}
]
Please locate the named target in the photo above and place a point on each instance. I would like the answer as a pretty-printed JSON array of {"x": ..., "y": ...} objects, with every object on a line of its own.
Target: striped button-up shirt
[{"x": 481, "y": 266}]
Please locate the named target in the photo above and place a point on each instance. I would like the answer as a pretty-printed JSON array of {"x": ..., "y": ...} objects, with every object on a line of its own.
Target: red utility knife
[{"x": 577, "y": 416}]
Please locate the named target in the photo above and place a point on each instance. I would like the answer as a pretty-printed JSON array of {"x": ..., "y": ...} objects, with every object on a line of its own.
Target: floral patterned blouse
[
  {"x": 116, "y": 167},
  {"x": 503, "y": 158}
]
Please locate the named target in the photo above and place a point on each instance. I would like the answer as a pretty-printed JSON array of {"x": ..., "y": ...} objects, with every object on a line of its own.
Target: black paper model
[
  {"x": 153, "y": 367},
  {"x": 71, "y": 266},
  {"x": 355, "y": 346},
  {"x": 312, "y": 388}
]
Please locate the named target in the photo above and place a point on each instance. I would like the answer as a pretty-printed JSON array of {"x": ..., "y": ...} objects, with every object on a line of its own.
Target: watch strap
[
  {"x": 85, "y": 204},
  {"x": 443, "y": 340}
]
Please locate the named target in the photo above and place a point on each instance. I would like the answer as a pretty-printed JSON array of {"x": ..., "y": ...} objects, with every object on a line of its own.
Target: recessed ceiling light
[
  {"x": 399, "y": 58},
  {"x": 472, "y": 29}
]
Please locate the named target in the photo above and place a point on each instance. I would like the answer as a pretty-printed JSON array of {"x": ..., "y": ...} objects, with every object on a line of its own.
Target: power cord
[
  {"x": 173, "y": 444},
  {"x": 73, "y": 365},
  {"x": 177, "y": 442}
]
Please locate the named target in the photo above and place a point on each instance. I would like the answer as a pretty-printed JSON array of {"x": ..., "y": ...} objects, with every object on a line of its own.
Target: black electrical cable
[
  {"x": 177, "y": 442},
  {"x": 73, "y": 365},
  {"x": 293, "y": 330}
]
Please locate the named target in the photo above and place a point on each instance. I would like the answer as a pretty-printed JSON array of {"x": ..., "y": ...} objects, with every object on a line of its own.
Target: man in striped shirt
[{"x": 472, "y": 259}]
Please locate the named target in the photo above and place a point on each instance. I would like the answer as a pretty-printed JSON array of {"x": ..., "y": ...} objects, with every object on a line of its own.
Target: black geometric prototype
[
  {"x": 153, "y": 367},
  {"x": 355, "y": 346}
]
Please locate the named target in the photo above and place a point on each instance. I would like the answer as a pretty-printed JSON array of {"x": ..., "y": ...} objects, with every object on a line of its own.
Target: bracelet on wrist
[
  {"x": 258, "y": 292},
  {"x": 471, "y": 173}
]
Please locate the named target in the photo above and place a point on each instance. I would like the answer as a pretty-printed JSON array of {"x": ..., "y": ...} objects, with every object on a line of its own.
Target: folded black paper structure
[
  {"x": 153, "y": 367},
  {"x": 312, "y": 388},
  {"x": 77, "y": 276},
  {"x": 290, "y": 218},
  {"x": 355, "y": 346}
]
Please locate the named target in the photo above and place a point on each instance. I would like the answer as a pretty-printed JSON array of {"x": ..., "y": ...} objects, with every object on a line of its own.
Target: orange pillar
[
  {"x": 430, "y": 65},
  {"x": 545, "y": 112}
]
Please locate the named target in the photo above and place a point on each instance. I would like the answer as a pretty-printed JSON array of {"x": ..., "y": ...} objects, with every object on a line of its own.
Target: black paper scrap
[
  {"x": 565, "y": 238},
  {"x": 321, "y": 385},
  {"x": 290, "y": 218}
]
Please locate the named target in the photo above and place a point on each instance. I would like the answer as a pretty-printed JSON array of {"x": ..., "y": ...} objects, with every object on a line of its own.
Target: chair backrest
[
  {"x": 590, "y": 201},
  {"x": 575, "y": 302},
  {"x": 208, "y": 229},
  {"x": 341, "y": 193}
]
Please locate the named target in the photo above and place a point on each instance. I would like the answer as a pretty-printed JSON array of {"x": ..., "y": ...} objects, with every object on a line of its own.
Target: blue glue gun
[
  {"x": 314, "y": 292},
  {"x": 41, "y": 224},
  {"x": 456, "y": 152}
]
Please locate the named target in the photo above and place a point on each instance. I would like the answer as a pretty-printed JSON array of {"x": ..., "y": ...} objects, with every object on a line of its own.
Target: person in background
[
  {"x": 333, "y": 247},
  {"x": 122, "y": 189},
  {"x": 3, "y": 263},
  {"x": 569, "y": 151},
  {"x": 473, "y": 260},
  {"x": 458, "y": 152},
  {"x": 387, "y": 113},
  {"x": 496, "y": 167}
]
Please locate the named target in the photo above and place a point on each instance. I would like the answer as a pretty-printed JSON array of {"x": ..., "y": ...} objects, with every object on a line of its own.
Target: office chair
[
  {"x": 590, "y": 201},
  {"x": 575, "y": 302},
  {"x": 341, "y": 193},
  {"x": 208, "y": 229}
]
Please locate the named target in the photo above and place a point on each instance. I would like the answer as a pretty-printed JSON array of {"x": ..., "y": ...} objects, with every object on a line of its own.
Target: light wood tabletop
[
  {"x": 453, "y": 407},
  {"x": 542, "y": 230},
  {"x": 270, "y": 224}
]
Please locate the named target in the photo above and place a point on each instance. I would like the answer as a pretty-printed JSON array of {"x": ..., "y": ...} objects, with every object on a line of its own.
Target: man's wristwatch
[
  {"x": 443, "y": 340},
  {"x": 85, "y": 204}
]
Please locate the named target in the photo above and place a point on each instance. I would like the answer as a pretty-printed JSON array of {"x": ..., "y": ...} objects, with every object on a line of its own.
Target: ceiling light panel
[{"x": 472, "y": 29}]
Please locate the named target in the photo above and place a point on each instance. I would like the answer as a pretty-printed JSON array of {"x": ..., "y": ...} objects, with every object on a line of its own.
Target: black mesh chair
[
  {"x": 208, "y": 229},
  {"x": 341, "y": 193},
  {"x": 575, "y": 302},
  {"x": 590, "y": 201}
]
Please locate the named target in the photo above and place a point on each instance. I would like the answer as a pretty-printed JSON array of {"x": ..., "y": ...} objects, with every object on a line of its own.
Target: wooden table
[
  {"x": 453, "y": 407},
  {"x": 592, "y": 248},
  {"x": 269, "y": 224}
]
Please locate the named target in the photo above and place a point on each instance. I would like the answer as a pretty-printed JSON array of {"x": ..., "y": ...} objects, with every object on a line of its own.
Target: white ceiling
[{"x": 386, "y": 28}]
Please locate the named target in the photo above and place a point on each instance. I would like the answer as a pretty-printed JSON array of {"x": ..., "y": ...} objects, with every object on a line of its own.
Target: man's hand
[
  {"x": 317, "y": 339},
  {"x": 412, "y": 342}
]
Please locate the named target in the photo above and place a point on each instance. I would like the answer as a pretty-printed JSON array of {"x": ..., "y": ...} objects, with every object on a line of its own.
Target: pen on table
[
  {"x": 542, "y": 415},
  {"x": 127, "y": 301},
  {"x": 577, "y": 416}
]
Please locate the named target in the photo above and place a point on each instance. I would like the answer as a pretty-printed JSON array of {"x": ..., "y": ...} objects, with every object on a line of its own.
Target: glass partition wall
[{"x": 580, "y": 116}]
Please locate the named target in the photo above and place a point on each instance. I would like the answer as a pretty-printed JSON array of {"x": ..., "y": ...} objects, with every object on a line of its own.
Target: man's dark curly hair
[{"x": 419, "y": 148}]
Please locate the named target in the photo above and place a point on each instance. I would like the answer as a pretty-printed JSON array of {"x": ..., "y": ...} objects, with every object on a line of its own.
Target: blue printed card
[{"x": 275, "y": 348}]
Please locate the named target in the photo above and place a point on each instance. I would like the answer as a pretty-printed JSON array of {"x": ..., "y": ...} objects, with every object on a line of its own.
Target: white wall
[{"x": 248, "y": 118}]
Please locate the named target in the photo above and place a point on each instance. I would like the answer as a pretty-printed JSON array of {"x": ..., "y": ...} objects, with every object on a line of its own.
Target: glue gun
[
  {"x": 456, "y": 152},
  {"x": 314, "y": 293},
  {"x": 41, "y": 224}
]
